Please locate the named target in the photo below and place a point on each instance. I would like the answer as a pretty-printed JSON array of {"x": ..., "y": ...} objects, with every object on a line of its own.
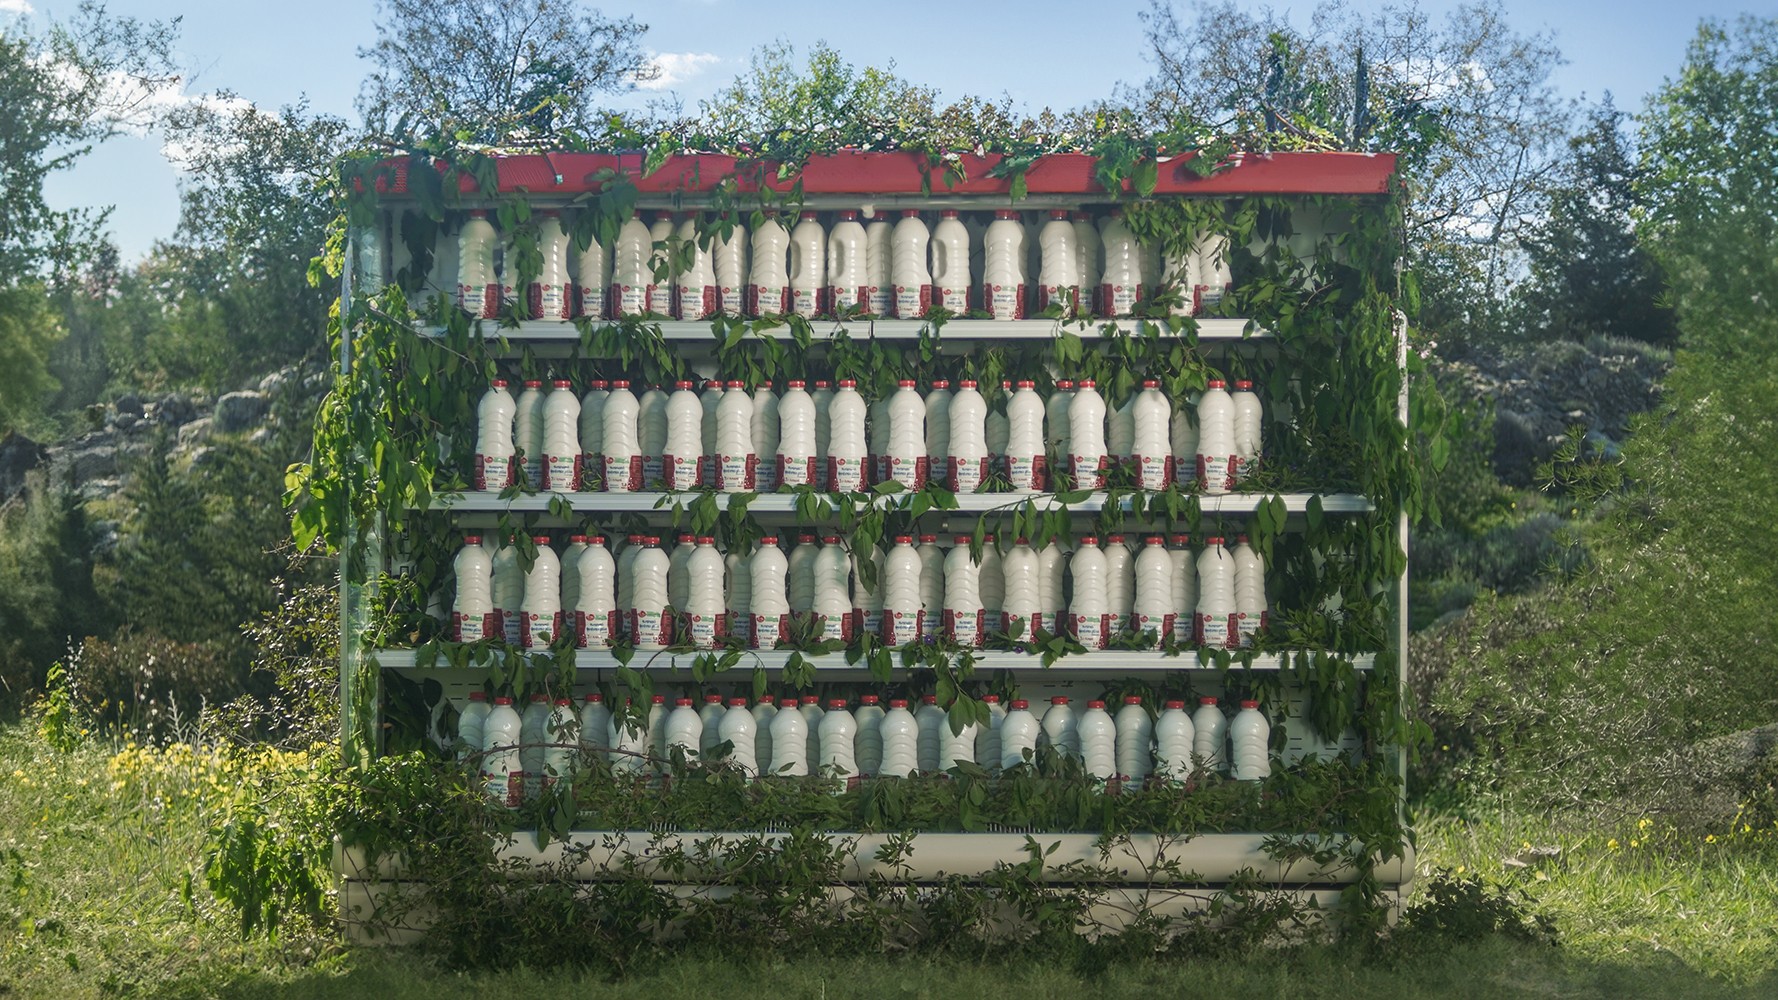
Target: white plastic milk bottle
[
  {"x": 1251, "y": 608},
  {"x": 933, "y": 726},
  {"x": 1210, "y": 730},
  {"x": 1059, "y": 728},
  {"x": 1089, "y": 614},
  {"x": 938, "y": 431},
  {"x": 801, "y": 576},
  {"x": 622, "y": 446},
  {"x": 1216, "y": 596},
  {"x": 527, "y": 431},
  {"x": 796, "y": 437},
  {"x": 991, "y": 585},
  {"x": 1185, "y": 590},
  {"x": 592, "y": 432},
  {"x": 901, "y": 740},
  {"x": 833, "y": 593},
  {"x": 951, "y": 278},
  {"x": 1173, "y": 739},
  {"x": 987, "y": 737},
  {"x": 711, "y": 717},
  {"x": 548, "y": 295},
  {"x": 495, "y": 449},
  {"x": 1086, "y": 250},
  {"x": 628, "y": 742},
  {"x": 632, "y": 274},
  {"x": 1183, "y": 437},
  {"x": 1098, "y": 741},
  {"x": 706, "y": 602},
  {"x": 765, "y": 438},
  {"x": 808, "y": 266},
  {"x": 685, "y": 730},
  {"x": 694, "y": 288},
  {"x": 1250, "y": 736},
  {"x": 561, "y": 438},
  {"x": 838, "y": 732},
  {"x": 1135, "y": 740},
  {"x": 968, "y": 445},
  {"x": 533, "y": 734},
  {"x": 679, "y": 572},
  {"x": 595, "y": 724},
  {"x": 1120, "y": 582},
  {"x": 1022, "y": 606},
  {"x": 932, "y": 588},
  {"x": 738, "y": 580},
  {"x": 868, "y": 743},
  {"x": 811, "y": 711},
  {"x": 738, "y": 729},
  {"x": 1018, "y": 734},
  {"x": 1120, "y": 285},
  {"x": 508, "y": 589},
  {"x": 542, "y": 605},
  {"x": 1003, "y": 275},
  {"x": 1052, "y": 563},
  {"x": 1249, "y": 418},
  {"x": 730, "y": 265},
  {"x": 907, "y": 437},
  {"x": 878, "y": 260},
  {"x": 472, "y": 610},
  {"x": 764, "y": 711},
  {"x": 1060, "y": 279},
  {"x": 1056, "y": 421},
  {"x": 682, "y": 447},
  {"x": 963, "y": 600},
  {"x": 478, "y": 290},
  {"x": 1154, "y": 589},
  {"x": 790, "y": 743},
  {"x": 868, "y": 602},
  {"x": 735, "y": 462},
  {"x": 848, "y": 270},
  {"x": 1086, "y": 437},
  {"x": 595, "y": 611},
  {"x": 563, "y": 743},
  {"x": 1211, "y": 269},
  {"x": 592, "y": 281},
  {"x": 846, "y": 450},
  {"x": 768, "y": 279},
  {"x": 908, "y": 268},
  {"x": 768, "y": 599},
  {"x": 650, "y": 625},
  {"x": 503, "y": 774},
  {"x": 1216, "y": 439},
  {"x": 956, "y": 747},
  {"x": 1150, "y": 445},
  {"x": 472, "y": 724},
  {"x": 1026, "y": 462},
  {"x": 710, "y": 400}
]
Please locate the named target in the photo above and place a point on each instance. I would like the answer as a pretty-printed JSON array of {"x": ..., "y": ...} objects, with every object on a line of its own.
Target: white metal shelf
[
  {"x": 833, "y": 666},
  {"x": 785, "y": 503},
  {"x": 700, "y": 331}
]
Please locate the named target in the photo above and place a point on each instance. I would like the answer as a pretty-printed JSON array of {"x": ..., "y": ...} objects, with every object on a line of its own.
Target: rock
[
  {"x": 175, "y": 410},
  {"x": 90, "y": 463},
  {"x": 193, "y": 432},
  {"x": 126, "y": 421},
  {"x": 238, "y": 411},
  {"x": 277, "y": 380},
  {"x": 129, "y": 403},
  {"x": 18, "y": 456},
  {"x": 1717, "y": 775},
  {"x": 99, "y": 489}
]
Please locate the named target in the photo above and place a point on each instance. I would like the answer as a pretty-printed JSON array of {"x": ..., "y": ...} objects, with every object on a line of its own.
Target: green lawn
[{"x": 104, "y": 895}]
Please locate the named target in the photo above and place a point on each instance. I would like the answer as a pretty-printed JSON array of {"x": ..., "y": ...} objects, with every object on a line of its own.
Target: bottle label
[
  {"x": 696, "y": 301},
  {"x": 870, "y": 622},
  {"x": 493, "y": 472},
  {"x": 651, "y": 628},
  {"x": 505, "y": 789},
  {"x": 533, "y": 469},
  {"x": 954, "y": 299},
  {"x": 1161, "y": 626},
  {"x": 1207, "y": 297},
  {"x": 766, "y": 299},
  {"x": 1185, "y": 468},
  {"x": 769, "y": 630},
  {"x": 1006, "y": 301},
  {"x": 964, "y": 628},
  {"x": 1090, "y": 630},
  {"x": 966, "y": 475},
  {"x": 1089, "y": 471},
  {"x": 1214, "y": 472},
  {"x": 654, "y": 470},
  {"x": 1217, "y": 632},
  {"x": 594, "y": 630},
  {"x": 561, "y": 473},
  {"x": 1182, "y": 626},
  {"x": 548, "y": 301},
  {"x": 1151, "y": 471},
  {"x": 623, "y": 475},
  {"x": 880, "y": 299},
  {"x": 735, "y": 474},
  {"x": 634, "y": 300},
  {"x": 1026, "y": 472},
  {"x": 704, "y": 630},
  {"x": 511, "y": 626},
  {"x": 480, "y": 301},
  {"x": 910, "y": 473},
  {"x": 473, "y": 628},
  {"x": 805, "y": 301},
  {"x": 1067, "y": 295},
  {"x": 679, "y": 472},
  {"x": 930, "y": 625},
  {"x": 1119, "y": 300},
  {"x": 589, "y": 301},
  {"x": 798, "y": 471},
  {"x": 900, "y": 628},
  {"x": 847, "y": 297},
  {"x": 836, "y": 627},
  {"x": 845, "y": 475},
  {"x": 539, "y": 630},
  {"x": 1244, "y": 468},
  {"x": 765, "y": 475},
  {"x": 912, "y": 301}
]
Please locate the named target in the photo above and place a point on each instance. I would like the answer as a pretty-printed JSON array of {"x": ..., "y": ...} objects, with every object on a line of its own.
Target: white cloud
[
  {"x": 136, "y": 106},
  {"x": 16, "y": 7},
  {"x": 673, "y": 68}
]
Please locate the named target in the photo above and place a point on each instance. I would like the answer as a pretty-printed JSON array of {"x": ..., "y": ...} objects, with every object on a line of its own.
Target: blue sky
[{"x": 1042, "y": 52}]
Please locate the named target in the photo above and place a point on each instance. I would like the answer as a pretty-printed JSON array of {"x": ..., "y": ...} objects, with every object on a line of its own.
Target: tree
[
  {"x": 1468, "y": 104},
  {"x": 496, "y": 72},
  {"x": 826, "y": 95},
  {"x": 1589, "y": 272}
]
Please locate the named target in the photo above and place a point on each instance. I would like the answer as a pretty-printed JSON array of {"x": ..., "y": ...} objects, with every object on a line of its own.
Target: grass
[{"x": 102, "y": 893}]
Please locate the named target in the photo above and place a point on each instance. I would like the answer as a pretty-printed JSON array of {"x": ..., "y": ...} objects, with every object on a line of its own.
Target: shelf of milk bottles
[
  {"x": 700, "y": 331},
  {"x": 786, "y": 503},
  {"x": 833, "y": 666}
]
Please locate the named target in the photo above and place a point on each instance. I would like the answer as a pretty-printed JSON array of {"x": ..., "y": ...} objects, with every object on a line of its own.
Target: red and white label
[
  {"x": 680, "y": 472},
  {"x": 965, "y": 476},
  {"x": 845, "y": 475},
  {"x": 539, "y": 632},
  {"x": 797, "y": 471},
  {"x": 695, "y": 303},
  {"x": 1216, "y": 471},
  {"x": 965, "y": 629},
  {"x": 704, "y": 630},
  {"x": 1089, "y": 471},
  {"x": 1152, "y": 471},
  {"x": 1218, "y": 631},
  {"x": 473, "y": 628},
  {"x": 623, "y": 475},
  {"x": 549, "y": 301},
  {"x": 837, "y": 627},
  {"x": 1006, "y": 301},
  {"x": 651, "y": 627},
  {"x": 512, "y": 627},
  {"x": 1027, "y": 472},
  {"x": 1162, "y": 627},
  {"x": 634, "y": 300},
  {"x": 589, "y": 301},
  {"x": 493, "y": 472},
  {"x": 764, "y": 299},
  {"x": 561, "y": 473},
  {"x": 900, "y": 628},
  {"x": 1091, "y": 631},
  {"x": 911, "y": 474},
  {"x": 805, "y": 301},
  {"x": 912, "y": 301},
  {"x": 736, "y": 473},
  {"x": 769, "y": 630},
  {"x": 1119, "y": 300},
  {"x": 480, "y": 301},
  {"x": 593, "y": 631},
  {"x": 765, "y": 475}
]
